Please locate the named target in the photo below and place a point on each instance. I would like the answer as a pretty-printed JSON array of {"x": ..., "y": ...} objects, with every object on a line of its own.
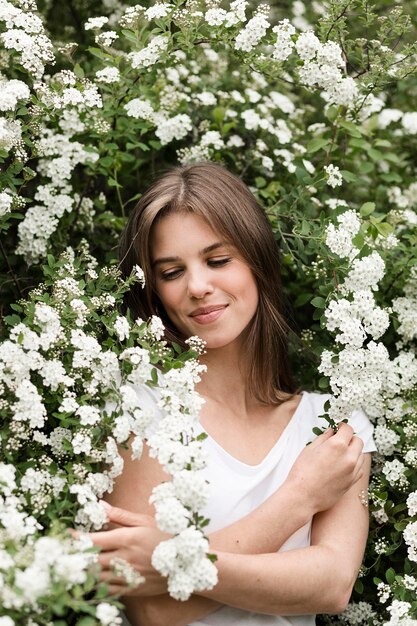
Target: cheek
[{"x": 170, "y": 297}]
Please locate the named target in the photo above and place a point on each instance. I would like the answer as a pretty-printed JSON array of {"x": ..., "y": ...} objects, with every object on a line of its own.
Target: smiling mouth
[{"x": 208, "y": 314}]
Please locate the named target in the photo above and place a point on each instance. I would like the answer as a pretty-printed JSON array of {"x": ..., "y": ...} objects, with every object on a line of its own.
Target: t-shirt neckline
[{"x": 278, "y": 444}]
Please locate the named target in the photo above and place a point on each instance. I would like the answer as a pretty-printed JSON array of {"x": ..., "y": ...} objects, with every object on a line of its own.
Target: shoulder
[{"x": 314, "y": 407}]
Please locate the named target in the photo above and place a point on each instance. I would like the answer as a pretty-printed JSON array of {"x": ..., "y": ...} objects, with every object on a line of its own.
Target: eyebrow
[{"x": 173, "y": 259}]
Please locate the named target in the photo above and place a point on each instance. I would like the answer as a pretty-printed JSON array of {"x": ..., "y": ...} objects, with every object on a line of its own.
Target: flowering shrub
[{"x": 313, "y": 107}]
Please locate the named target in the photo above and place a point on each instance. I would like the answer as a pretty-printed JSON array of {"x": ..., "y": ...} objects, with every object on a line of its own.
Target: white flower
[
  {"x": 284, "y": 44},
  {"x": 307, "y": 45},
  {"x": 6, "y": 201},
  {"x": 140, "y": 109},
  {"x": 139, "y": 274},
  {"x": 11, "y": 91},
  {"x": 398, "y": 609},
  {"x": 388, "y": 116},
  {"x": 357, "y": 614},
  {"x": 215, "y": 17},
  {"x": 150, "y": 54},
  {"x": 176, "y": 127},
  {"x": 108, "y": 75},
  {"x": 412, "y": 503},
  {"x": 339, "y": 240},
  {"x": 158, "y": 10},
  {"x": 10, "y": 133},
  {"x": 89, "y": 415},
  {"x": 409, "y": 122},
  {"x": 122, "y": 328},
  {"x": 365, "y": 273},
  {"x": 95, "y": 23},
  {"x": 386, "y": 439},
  {"x": 108, "y": 615},
  {"x": 410, "y": 538},
  {"x": 106, "y": 39},
  {"x": 394, "y": 473},
  {"x": 334, "y": 177},
  {"x": 254, "y": 30}
]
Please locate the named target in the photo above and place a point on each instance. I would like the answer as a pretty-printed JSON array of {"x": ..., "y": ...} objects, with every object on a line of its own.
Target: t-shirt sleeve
[
  {"x": 363, "y": 428},
  {"x": 358, "y": 419}
]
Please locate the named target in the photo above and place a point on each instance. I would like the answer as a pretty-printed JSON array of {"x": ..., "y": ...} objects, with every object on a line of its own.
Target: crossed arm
[{"x": 252, "y": 575}]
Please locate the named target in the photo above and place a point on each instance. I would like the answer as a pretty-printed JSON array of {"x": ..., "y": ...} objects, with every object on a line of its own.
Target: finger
[
  {"x": 322, "y": 438},
  {"x": 109, "y": 539},
  {"x": 116, "y": 590},
  {"x": 123, "y": 517},
  {"x": 357, "y": 444},
  {"x": 106, "y": 559},
  {"x": 344, "y": 432}
]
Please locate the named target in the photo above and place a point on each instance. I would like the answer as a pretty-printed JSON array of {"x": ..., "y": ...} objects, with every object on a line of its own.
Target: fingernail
[{"x": 105, "y": 505}]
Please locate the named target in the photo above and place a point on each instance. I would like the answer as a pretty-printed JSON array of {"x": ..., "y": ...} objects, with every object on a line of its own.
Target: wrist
[{"x": 298, "y": 500}]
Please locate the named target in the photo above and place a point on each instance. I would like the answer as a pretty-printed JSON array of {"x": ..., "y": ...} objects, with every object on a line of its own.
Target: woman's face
[{"x": 205, "y": 286}]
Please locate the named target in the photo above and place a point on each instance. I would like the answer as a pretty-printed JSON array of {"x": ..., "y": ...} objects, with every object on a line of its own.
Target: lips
[
  {"x": 208, "y": 309},
  {"x": 208, "y": 314}
]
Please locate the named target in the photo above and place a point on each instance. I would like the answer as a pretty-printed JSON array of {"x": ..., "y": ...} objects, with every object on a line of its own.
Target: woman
[{"x": 288, "y": 522}]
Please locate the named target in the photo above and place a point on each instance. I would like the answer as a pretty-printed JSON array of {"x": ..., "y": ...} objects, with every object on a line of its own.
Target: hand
[
  {"x": 328, "y": 467},
  {"x": 133, "y": 539}
]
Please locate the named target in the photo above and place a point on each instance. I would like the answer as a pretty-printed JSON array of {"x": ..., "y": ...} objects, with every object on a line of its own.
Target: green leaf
[
  {"x": 317, "y": 144},
  {"x": 78, "y": 71},
  {"x": 302, "y": 298},
  {"x": 113, "y": 183},
  {"x": 351, "y": 128},
  {"x": 130, "y": 36},
  {"x": 359, "y": 586},
  {"x": 318, "y": 302},
  {"x": 349, "y": 177},
  {"x": 367, "y": 208},
  {"x": 390, "y": 575},
  {"x": 86, "y": 621},
  {"x": 384, "y": 229}
]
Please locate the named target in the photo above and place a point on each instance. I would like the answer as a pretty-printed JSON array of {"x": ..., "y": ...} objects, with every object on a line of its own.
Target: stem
[
  {"x": 10, "y": 270},
  {"x": 119, "y": 196}
]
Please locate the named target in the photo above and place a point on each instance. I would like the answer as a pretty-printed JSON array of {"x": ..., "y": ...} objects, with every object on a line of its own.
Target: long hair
[{"x": 227, "y": 205}]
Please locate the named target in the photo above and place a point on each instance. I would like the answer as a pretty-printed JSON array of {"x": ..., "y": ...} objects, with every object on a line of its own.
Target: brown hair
[{"x": 228, "y": 206}]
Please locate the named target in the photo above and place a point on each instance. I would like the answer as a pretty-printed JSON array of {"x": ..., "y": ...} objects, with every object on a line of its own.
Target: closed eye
[
  {"x": 171, "y": 274},
  {"x": 218, "y": 262}
]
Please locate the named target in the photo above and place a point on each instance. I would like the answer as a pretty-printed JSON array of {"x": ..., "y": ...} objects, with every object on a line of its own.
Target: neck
[{"x": 225, "y": 380}]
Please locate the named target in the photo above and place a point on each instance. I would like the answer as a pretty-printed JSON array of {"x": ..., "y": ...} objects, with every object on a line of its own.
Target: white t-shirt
[{"x": 237, "y": 489}]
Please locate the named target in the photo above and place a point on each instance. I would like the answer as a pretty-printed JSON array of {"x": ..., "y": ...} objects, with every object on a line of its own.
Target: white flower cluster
[
  {"x": 361, "y": 372},
  {"x": 410, "y": 538},
  {"x": 250, "y": 36},
  {"x": 90, "y": 370},
  {"x": 183, "y": 559},
  {"x": 108, "y": 615},
  {"x": 25, "y": 33},
  {"x": 236, "y": 14},
  {"x": 41, "y": 561},
  {"x": 406, "y": 308},
  {"x": 333, "y": 175},
  {"x": 11, "y": 92},
  {"x": 284, "y": 45},
  {"x": 339, "y": 239},
  {"x": 358, "y": 614},
  {"x": 321, "y": 67},
  {"x": 10, "y": 133},
  {"x": 59, "y": 157},
  {"x": 150, "y": 54}
]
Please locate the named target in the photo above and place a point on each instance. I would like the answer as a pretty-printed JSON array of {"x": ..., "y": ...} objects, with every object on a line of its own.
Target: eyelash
[{"x": 210, "y": 262}]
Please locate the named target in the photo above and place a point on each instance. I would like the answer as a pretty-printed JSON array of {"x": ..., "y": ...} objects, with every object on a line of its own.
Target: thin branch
[{"x": 10, "y": 270}]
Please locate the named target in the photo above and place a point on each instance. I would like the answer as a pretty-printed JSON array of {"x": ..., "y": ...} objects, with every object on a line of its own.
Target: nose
[{"x": 199, "y": 283}]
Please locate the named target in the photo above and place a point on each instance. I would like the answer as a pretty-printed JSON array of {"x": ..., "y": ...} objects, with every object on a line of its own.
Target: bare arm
[
  {"x": 316, "y": 579},
  {"x": 290, "y": 507}
]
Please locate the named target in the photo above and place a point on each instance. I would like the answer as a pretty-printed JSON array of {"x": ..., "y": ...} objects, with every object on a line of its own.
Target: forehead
[{"x": 181, "y": 231}]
